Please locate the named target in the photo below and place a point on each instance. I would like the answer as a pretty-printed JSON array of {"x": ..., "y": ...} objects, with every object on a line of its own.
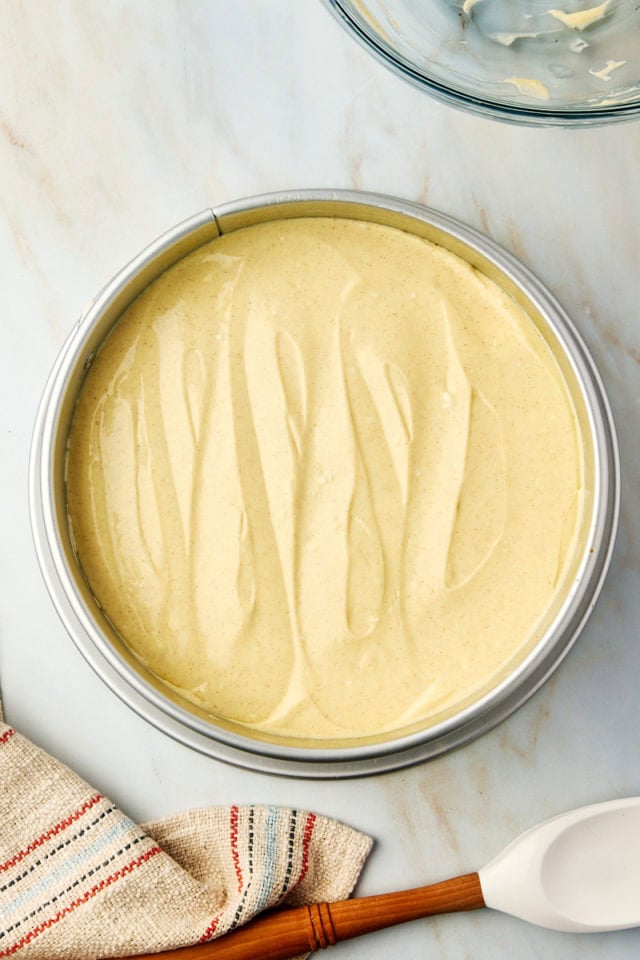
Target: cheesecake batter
[
  {"x": 529, "y": 87},
  {"x": 581, "y": 19},
  {"x": 325, "y": 479}
]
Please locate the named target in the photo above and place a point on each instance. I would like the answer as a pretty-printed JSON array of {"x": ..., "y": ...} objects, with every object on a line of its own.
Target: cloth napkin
[{"x": 78, "y": 879}]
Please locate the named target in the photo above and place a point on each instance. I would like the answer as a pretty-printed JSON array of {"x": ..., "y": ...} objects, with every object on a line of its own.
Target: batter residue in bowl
[{"x": 325, "y": 478}]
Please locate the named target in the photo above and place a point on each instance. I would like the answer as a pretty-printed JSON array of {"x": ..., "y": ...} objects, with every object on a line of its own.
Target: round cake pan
[{"x": 105, "y": 650}]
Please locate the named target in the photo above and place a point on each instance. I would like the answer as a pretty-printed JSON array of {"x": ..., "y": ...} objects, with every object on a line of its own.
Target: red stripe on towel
[
  {"x": 52, "y": 832},
  {"x": 211, "y": 929},
  {"x": 235, "y": 856},
  {"x": 306, "y": 842},
  {"x": 233, "y": 826},
  {"x": 107, "y": 882}
]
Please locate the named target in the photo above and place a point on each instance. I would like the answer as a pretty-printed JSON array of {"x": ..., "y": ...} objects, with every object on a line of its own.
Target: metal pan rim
[{"x": 334, "y": 762}]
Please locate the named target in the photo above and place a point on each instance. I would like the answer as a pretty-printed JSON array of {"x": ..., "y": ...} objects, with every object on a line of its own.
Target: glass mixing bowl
[{"x": 526, "y": 61}]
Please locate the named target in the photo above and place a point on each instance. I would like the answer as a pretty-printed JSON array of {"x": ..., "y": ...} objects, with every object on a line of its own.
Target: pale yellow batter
[
  {"x": 581, "y": 19},
  {"x": 325, "y": 478}
]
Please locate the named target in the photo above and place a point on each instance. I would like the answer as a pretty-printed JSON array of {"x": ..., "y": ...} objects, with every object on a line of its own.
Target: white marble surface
[{"x": 118, "y": 120}]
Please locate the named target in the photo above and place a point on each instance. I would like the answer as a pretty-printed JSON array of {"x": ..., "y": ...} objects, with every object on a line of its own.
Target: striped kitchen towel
[{"x": 78, "y": 879}]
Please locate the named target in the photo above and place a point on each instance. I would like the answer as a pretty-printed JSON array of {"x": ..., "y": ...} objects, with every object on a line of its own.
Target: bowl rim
[
  {"x": 359, "y": 760},
  {"x": 524, "y": 115}
]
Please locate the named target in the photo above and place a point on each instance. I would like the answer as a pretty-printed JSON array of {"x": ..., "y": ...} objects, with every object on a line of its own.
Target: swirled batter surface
[{"x": 325, "y": 478}]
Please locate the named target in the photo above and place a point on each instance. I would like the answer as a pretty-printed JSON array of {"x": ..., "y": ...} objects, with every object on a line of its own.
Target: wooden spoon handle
[{"x": 286, "y": 933}]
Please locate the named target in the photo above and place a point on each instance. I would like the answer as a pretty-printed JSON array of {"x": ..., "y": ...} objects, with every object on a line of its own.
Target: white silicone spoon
[{"x": 579, "y": 872}]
